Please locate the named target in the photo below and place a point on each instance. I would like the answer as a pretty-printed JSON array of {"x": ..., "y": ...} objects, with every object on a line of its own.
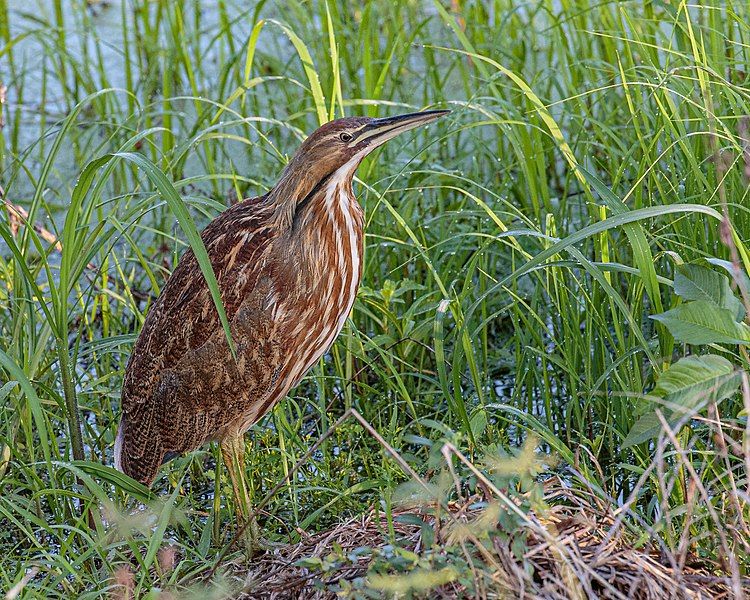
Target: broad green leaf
[
  {"x": 687, "y": 385},
  {"x": 694, "y": 379},
  {"x": 702, "y": 322},
  {"x": 694, "y": 282}
]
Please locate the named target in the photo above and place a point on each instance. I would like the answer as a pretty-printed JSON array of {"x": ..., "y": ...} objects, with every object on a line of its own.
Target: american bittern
[{"x": 288, "y": 266}]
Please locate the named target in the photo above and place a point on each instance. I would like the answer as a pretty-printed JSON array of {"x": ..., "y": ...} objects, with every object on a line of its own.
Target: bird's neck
[
  {"x": 331, "y": 216},
  {"x": 328, "y": 229},
  {"x": 300, "y": 189}
]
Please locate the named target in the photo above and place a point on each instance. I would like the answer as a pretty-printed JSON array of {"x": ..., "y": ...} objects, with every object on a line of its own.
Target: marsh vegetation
[{"x": 547, "y": 359}]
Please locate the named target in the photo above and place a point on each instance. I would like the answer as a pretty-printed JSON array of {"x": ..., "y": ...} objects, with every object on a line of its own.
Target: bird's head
[
  {"x": 340, "y": 142},
  {"x": 337, "y": 148}
]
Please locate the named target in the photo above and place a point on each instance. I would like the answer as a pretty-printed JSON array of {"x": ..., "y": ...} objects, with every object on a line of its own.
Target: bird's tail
[{"x": 140, "y": 470}]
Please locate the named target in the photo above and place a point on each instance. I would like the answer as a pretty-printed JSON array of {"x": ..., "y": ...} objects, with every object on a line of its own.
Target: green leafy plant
[{"x": 710, "y": 314}]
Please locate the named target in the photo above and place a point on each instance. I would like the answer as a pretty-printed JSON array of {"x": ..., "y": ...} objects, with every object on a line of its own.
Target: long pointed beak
[{"x": 379, "y": 131}]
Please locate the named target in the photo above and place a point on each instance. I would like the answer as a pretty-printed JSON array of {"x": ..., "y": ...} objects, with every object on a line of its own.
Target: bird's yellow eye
[{"x": 345, "y": 137}]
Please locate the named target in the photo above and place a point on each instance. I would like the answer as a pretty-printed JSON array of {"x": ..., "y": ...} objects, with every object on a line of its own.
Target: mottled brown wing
[{"x": 181, "y": 384}]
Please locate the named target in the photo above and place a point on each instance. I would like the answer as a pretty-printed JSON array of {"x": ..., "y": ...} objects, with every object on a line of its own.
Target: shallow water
[{"x": 94, "y": 40}]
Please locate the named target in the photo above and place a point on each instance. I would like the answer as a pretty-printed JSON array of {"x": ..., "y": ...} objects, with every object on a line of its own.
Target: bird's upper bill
[
  {"x": 338, "y": 141},
  {"x": 378, "y": 131}
]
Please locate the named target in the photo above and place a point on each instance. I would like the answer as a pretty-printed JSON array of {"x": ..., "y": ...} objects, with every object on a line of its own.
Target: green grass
[{"x": 514, "y": 252}]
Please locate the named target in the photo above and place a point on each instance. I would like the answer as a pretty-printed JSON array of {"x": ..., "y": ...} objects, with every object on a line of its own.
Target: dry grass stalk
[{"x": 17, "y": 216}]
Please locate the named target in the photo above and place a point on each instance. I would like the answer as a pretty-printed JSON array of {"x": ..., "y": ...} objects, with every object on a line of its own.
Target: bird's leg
[{"x": 233, "y": 453}]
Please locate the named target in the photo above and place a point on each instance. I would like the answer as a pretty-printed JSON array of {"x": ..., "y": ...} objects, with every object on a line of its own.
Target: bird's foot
[
  {"x": 254, "y": 543},
  {"x": 263, "y": 545}
]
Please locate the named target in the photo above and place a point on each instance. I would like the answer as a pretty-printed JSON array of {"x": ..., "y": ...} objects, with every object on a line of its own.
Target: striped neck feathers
[{"x": 297, "y": 192}]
